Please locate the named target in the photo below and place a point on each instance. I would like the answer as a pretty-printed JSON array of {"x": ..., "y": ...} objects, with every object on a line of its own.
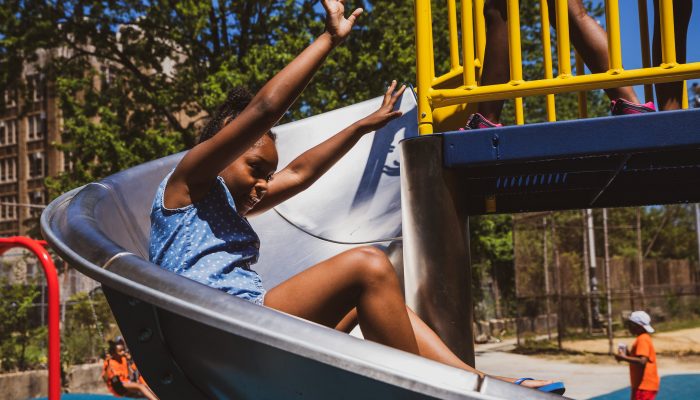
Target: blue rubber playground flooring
[
  {"x": 675, "y": 387},
  {"x": 84, "y": 397}
]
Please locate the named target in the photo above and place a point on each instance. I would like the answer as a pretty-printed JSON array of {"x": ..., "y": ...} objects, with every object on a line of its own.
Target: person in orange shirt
[
  {"x": 644, "y": 375},
  {"x": 121, "y": 376}
]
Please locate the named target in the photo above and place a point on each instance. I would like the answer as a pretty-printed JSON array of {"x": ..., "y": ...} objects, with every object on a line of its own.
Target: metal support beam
[
  {"x": 437, "y": 272},
  {"x": 593, "y": 268}
]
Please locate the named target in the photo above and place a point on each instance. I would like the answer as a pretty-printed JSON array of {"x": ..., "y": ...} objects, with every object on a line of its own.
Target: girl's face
[{"x": 248, "y": 176}]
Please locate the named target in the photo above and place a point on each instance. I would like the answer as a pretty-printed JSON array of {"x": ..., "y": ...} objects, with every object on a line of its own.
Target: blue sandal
[{"x": 556, "y": 387}]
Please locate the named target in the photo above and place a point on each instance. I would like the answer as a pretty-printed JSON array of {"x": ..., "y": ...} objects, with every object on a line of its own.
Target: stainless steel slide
[{"x": 194, "y": 342}]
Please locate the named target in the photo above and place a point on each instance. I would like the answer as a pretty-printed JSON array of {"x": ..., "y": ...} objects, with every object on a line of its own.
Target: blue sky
[{"x": 629, "y": 33}]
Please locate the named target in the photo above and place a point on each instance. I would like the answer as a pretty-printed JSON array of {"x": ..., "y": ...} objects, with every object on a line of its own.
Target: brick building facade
[{"x": 29, "y": 124}]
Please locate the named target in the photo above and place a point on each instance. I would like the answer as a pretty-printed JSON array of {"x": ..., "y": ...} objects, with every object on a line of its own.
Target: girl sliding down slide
[{"x": 199, "y": 229}]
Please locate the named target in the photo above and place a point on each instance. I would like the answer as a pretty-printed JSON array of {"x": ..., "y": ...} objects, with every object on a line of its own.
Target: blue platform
[
  {"x": 676, "y": 387},
  {"x": 86, "y": 396},
  {"x": 602, "y": 162}
]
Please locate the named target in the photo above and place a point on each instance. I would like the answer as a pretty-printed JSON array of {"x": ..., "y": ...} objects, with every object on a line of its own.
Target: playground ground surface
[
  {"x": 683, "y": 341},
  {"x": 587, "y": 371},
  {"x": 591, "y": 374}
]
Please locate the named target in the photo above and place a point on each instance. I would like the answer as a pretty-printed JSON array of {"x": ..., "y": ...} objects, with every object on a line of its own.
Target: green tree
[
  {"x": 16, "y": 331},
  {"x": 135, "y": 79},
  {"x": 87, "y": 320}
]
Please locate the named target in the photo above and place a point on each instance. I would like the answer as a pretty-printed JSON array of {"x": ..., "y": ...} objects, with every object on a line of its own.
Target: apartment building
[{"x": 29, "y": 124}]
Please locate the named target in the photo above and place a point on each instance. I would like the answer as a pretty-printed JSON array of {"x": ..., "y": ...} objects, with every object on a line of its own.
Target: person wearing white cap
[{"x": 644, "y": 375}]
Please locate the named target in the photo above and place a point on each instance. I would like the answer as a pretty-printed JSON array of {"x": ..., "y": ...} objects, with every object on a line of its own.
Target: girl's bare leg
[
  {"x": 141, "y": 388},
  {"x": 431, "y": 346},
  {"x": 360, "y": 285},
  {"x": 669, "y": 95},
  {"x": 429, "y": 343},
  {"x": 591, "y": 42},
  {"x": 361, "y": 278}
]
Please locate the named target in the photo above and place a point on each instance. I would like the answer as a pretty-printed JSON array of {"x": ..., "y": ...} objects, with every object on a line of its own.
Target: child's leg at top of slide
[
  {"x": 591, "y": 42},
  {"x": 669, "y": 95},
  {"x": 589, "y": 39}
]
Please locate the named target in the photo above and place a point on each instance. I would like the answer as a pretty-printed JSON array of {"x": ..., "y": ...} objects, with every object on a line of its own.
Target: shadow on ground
[{"x": 676, "y": 387}]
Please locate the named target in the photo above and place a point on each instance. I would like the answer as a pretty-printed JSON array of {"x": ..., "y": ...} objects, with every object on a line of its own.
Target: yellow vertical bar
[
  {"x": 563, "y": 46},
  {"x": 454, "y": 45},
  {"x": 432, "y": 50},
  {"x": 519, "y": 114},
  {"x": 424, "y": 58},
  {"x": 516, "y": 64},
  {"x": 480, "y": 28},
  {"x": 582, "y": 98},
  {"x": 612, "y": 18},
  {"x": 668, "y": 40},
  {"x": 468, "y": 43},
  {"x": 684, "y": 99},
  {"x": 644, "y": 40},
  {"x": 547, "y": 55}
]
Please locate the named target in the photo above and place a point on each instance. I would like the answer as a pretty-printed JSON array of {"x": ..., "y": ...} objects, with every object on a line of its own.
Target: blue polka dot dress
[{"x": 208, "y": 242}]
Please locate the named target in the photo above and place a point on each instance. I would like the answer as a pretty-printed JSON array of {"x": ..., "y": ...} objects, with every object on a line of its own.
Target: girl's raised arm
[
  {"x": 313, "y": 163},
  {"x": 197, "y": 171}
]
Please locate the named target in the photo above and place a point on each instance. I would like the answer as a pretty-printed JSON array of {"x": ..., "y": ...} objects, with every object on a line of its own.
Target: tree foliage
[
  {"x": 16, "y": 330},
  {"x": 89, "y": 323},
  {"x": 135, "y": 79}
]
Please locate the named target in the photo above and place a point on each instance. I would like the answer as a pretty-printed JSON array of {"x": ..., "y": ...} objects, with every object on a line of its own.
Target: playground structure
[
  {"x": 38, "y": 248},
  {"x": 442, "y": 98},
  {"x": 192, "y": 341}
]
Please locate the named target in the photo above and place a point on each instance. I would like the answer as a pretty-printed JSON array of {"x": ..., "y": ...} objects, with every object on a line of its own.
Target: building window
[
  {"x": 67, "y": 160},
  {"x": 35, "y": 127},
  {"x": 10, "y": 98},
  {"x": 8, "y": 132},
  {"x": 11, "y": 132},
  {"x": 35, "y": 86},
  {"x": 36, "y": 165},
  {"x": 30, "y": 271},
  {"x": 8, "y": 208},
  {"x": 36, "y": 198},
  {"x": 8, "y": 170}
]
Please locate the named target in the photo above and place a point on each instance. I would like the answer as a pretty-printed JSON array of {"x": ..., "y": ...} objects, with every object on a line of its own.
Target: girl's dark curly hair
[{"x": 236, "y": 101}]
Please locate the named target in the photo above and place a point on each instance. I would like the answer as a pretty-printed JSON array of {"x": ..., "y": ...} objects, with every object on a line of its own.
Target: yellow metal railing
[{"x": 436, "y": 102}]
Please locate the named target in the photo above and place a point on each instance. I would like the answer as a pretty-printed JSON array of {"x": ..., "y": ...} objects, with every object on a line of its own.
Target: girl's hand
[
  {"x": 336, "y": 24},
  {"x": 386, "y": 112}
]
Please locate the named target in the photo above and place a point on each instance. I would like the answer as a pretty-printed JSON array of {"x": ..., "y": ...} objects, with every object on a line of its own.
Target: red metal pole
[{"x": 37, "y": 247}]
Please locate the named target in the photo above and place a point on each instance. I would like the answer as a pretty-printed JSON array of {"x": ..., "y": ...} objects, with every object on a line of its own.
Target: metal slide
[{"x": 194, "y": 342}]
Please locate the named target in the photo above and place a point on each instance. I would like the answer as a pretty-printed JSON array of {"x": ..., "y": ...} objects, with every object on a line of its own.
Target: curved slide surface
[{"x": 194, "y": 342}]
